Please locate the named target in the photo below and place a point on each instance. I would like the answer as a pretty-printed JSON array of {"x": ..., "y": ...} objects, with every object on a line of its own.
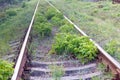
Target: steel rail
[
  {"x": 22, "y": 51},
  {"x": 112, "y": 62}
]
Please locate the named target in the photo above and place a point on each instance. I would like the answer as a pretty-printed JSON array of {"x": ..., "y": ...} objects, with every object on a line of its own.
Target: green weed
[{"x": 6, "y": 70}]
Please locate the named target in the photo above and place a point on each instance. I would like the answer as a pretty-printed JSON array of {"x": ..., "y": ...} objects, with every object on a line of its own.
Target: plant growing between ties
[
  {"x": 45, "y": 20},
  {"x": 57, "y": 72},
  {"x": 79, "y": 46}
]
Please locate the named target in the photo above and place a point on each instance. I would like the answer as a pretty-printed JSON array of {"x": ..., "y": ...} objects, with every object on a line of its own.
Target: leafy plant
[
  {"x": 79, "y": 46},
  {"x": 59, "y": 15},
  {"x": 85, "y": 49},
  {"x": 67, "y": 28},
  {"x": 6, "y": 70},
  {"x": 51, "y": 12},
  {"x": 43, "y": 29},
  {"x": 56, "y": 21},
  {"x": 40, "y": 18}
]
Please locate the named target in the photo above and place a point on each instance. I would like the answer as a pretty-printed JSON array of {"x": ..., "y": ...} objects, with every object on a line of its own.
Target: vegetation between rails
[
  {"x": 57, "y": 72},
  {"x": 79, "y": 46},
  {"x": 66, "y": 40},
  {"x": 46, "y": 20}
]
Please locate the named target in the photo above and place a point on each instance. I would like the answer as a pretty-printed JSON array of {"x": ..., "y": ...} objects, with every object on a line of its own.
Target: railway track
[{"x": 37, "y": 69}]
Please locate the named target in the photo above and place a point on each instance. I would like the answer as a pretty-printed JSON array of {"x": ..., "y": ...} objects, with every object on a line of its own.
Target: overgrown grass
[
  {"x": 17, "y": 19},
  {"x": 100, "y": 20}
]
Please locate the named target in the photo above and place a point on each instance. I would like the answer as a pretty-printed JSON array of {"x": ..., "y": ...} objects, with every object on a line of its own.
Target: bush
[
  {"x": 11, "y": 12},
  {"x": 59, "y": 15},
  {"x": 50, "y": 13},
  {"x": 67, "y": 28},
  {"x": 40, "y": 18},
  {"x": 43, "y": 29},
  {"x": 56, "y": 21},
  {"x": 81, "y": 47},
  {"x": 6, "y": 70}
]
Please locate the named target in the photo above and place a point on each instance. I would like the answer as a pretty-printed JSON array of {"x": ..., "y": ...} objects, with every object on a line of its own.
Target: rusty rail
[
  {"x": 22, "y": 58},
  {"x": 109, "y": 61}
]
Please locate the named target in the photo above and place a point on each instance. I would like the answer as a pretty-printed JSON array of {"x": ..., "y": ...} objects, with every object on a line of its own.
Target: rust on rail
[{"x": 109, "y": 61}]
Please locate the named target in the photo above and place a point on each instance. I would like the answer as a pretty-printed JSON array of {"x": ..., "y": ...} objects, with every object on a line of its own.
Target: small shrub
[
  {"x": 11, "y": 12},
  {"x": 6, "y": 70},
  {"x": 67, "y": 28},
  {"x": 43, "y": 29},
  {"x": 61, "y": 43},
  {"x": 40, "y": 18},
  {"x": 81, "y": 47},
  {"x": 59, "y": 15},
  {"x": 56, "y": 21},
  {"x": 50, "y": 13}
]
